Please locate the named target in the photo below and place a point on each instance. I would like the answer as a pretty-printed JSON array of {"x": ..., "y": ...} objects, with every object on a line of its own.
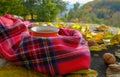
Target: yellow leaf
[
  {"x": 118, "y": 32},
  {"x": 76, "y": 26},
  {"x": 88, "y": 36},
  {"x": 60, "y": 25},
  {"x": 98, "y": 37}
]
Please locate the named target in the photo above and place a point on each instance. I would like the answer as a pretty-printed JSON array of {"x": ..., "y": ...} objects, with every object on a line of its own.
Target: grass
[{"x": 17, "y": 71}]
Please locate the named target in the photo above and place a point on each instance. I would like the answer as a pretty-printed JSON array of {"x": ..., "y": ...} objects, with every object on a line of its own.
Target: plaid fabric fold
[
  {"x": 5, "y": 21},
  {"x": 8, "y": 20},
  {"x": 63, "y": 54},
  {"x": 11, "y": 31},
  {"x": 59, "y": 55}
]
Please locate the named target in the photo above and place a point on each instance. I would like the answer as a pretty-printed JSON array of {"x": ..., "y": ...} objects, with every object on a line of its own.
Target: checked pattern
[{"x": 68, "y": 52}]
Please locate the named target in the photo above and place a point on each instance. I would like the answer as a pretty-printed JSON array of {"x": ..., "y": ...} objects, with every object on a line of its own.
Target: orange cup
[{"x": 44, "y": 31}]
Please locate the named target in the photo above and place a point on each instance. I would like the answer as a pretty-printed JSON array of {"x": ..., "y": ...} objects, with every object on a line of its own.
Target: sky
[{"x": 80, "y": 1}]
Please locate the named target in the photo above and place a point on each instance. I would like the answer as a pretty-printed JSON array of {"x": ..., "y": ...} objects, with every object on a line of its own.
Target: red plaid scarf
[{"x": 53, "y": 55}]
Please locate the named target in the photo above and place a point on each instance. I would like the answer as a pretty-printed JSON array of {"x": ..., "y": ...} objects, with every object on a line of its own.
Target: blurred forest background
[{"x": 95, "y": 12}]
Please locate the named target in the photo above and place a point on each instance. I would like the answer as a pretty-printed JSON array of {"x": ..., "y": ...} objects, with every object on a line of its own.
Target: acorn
[{"x": 109, "y": 58}]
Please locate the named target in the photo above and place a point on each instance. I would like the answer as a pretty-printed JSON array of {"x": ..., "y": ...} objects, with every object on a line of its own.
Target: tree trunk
[{"x": 31, "y": 16}]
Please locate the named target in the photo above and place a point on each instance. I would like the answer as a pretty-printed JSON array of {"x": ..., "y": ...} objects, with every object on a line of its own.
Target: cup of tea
[{"x": 44, "y": 31}]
